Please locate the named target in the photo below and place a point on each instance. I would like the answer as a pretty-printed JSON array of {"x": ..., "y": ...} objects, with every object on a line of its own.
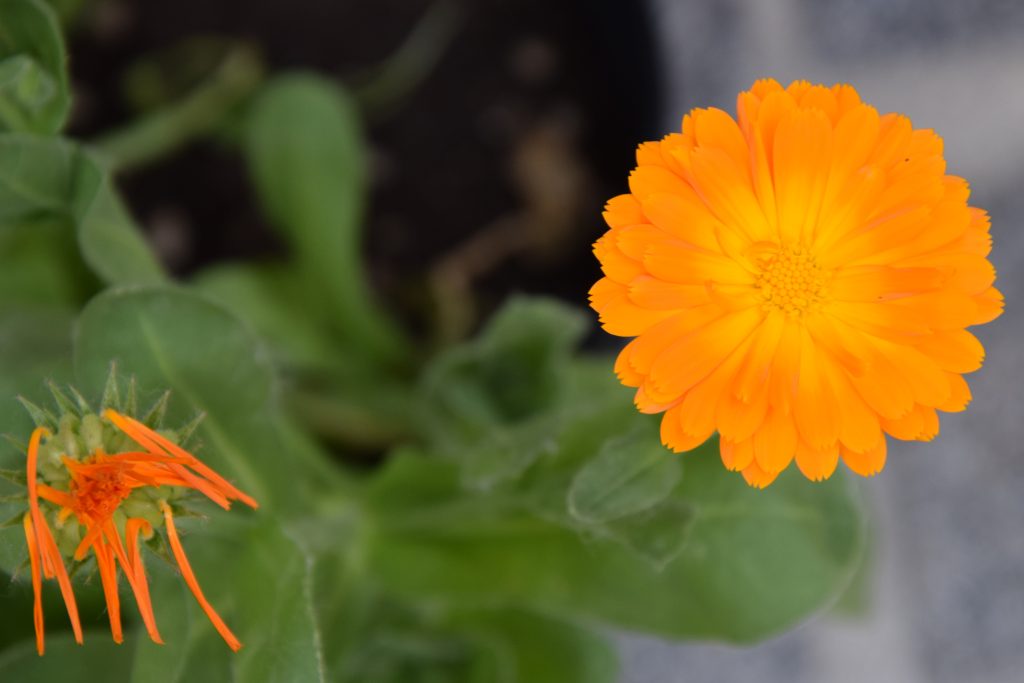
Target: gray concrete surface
[{"x": 948, "y": 598}]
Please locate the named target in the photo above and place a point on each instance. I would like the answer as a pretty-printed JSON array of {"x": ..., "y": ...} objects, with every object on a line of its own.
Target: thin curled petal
[
  {"x": 190, "y": 580},
  {"x": 37, "y": 583},
  {"x": 51, "y": 563}
]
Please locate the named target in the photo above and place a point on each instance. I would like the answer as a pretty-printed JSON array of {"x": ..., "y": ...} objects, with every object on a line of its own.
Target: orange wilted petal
[
  {"x": 799, "y": 279},
  {"x": 108, "y": 578},
  {"x": 140, "y": 584},
  {"x": 51, "y": 563},
  {"x": 193, "y": 584},
  {"x": 37, "y": 583},
  {"x": 148, "y": 438}
]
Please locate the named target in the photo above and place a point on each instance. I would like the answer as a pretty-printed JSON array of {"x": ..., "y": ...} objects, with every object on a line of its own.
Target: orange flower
[
  {"x": 96, "y": 489},
  {"x": 798, "y": 280}
]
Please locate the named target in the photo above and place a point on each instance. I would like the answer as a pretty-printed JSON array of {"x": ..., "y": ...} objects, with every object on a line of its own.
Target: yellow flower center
[{"x": 792, "y": 281}]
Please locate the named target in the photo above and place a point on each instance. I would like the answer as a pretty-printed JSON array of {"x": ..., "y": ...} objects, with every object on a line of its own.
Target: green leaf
[
  {"x": 270, "y": 299},
  {"x": 34, "y": 346},
  {"x": 508, "y": 451},
  {"x": 519, "y": 645},
  {"x": 519, "y": 361},
  {"x": 279, "y": 628},
  {"x": 333, "y": 393},
  {"x": 169, "y": 338},
  {"x": 658, "y": 534},
  {"x": 492, "y": 403},
  {"x": 755, "y": 562},
  {"x": 34, "y": 93},
  {"x": 53, "y": 178},
  {"x": 264, "y": 595},
  {"x": 40, "y": 267},
  {"x": 377, "y": 639},
  {"x": 99, "y": 661},
  {"x": 303, "y": 142},
  {"x": 110, "y": 242},
  {"x": 857, "y": 600},
  {"x": 630, "y": 474}
]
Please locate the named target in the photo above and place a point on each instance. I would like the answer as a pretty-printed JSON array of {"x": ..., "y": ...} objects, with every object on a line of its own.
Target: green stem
[
  {"x": 202, "y": 111},
  {"x": 413, "y": 61}
]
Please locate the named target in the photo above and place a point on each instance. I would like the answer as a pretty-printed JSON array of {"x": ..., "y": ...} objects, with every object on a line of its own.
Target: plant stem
[
  {"x": 157, "y": 134},
  {"x": 412, "y": 62}
]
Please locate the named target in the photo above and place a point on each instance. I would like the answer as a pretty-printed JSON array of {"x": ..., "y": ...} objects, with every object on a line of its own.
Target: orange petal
[
  {"x": 146, "y": 437},
  {"x": 802, "y": 156},
  {"x": 757, "y": 477},
  {"x": 866, "y": 464},
  {"x": 131, "y": 564},
  {"x": 190, "y": 581},
  {"x": 715, "y": 128},
  {"x": 817, "y": 464},
  {"x": 614, "y": 263},
  {"x": 816, "y": 408},
  {"x": 738, "y": 419},
  {"x": 673, "y": 435},
  {"x": 623, "y": 210},
  {"x": 141, "y": 585},
  {"x": 695, "y": 356},
  {"x": 956, "y": 351},
  {"x": 726, "y": 189},
  {"x": 645, "y": 181},
  {"x": 37, "y": 583},
  {"x": 775, "y": 442},
  {"x": 108, "y": 578},
  {"x": 736, "y": 456},
  {"x": 51, "y": 562},
  {"x": 959, "y": 396},
  {"x": 652, "y": 293},
  {"x": 685, "y": 217}
]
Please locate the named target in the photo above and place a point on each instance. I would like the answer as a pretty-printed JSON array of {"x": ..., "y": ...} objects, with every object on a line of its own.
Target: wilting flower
[
  {"x": 798, "y": 280},
  {"x": 106, "y": 484}
]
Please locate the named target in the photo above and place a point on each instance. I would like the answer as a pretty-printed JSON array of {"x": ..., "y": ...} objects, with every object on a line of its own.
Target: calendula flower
[
  {"x": 798, "y": 279},
  {"x": 101, "y": 486}
]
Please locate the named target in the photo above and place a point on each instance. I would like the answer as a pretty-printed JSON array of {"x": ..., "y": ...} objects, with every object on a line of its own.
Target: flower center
[
  {"x": 99, "y": 492},
  {"x": 792, "y": 281}
]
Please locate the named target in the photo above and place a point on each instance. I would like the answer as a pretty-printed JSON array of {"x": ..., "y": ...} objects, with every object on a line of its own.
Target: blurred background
[{"x": 499, "y": 127}]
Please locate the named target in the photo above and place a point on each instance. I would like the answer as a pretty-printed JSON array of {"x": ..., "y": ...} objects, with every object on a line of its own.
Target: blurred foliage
[
  {"x": 34, "y": 93},
  {"x": 521, "y": 507}
]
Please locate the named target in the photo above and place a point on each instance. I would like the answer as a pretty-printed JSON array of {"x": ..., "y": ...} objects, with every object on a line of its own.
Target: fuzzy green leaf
[
  {"x": 263, "y": 593},
  {"x": 630, "y": 474},
  {"x": 754, "y": 562},
  {"x": 100, "y": 661},
  {"x": 34, "y": 94},
  {"x": 169, "y": 338},
  {"x": 303, "y": 140},
  {"x": 49, "y": 177},
  {"x": 271, "y": 300},
  {"x": 518, "y": 645},
  {"x": 492, "y": 403},
  {"x": 40, "y": 266},
  {"x": 34, "y": 347}
]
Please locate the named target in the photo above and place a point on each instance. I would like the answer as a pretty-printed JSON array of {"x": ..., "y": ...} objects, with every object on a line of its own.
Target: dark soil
[{"x": 513, "y": 142}]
